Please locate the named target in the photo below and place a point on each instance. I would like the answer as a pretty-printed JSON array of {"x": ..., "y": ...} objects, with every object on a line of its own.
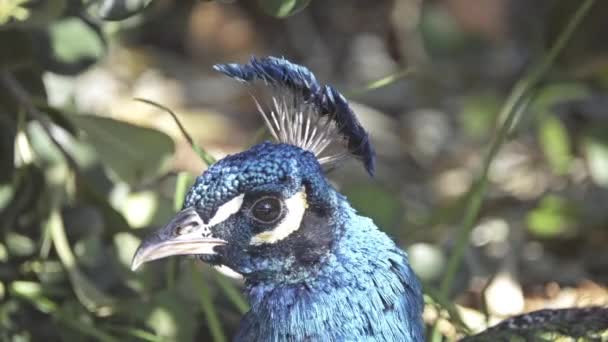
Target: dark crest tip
[{"x": 324, "y": 99}]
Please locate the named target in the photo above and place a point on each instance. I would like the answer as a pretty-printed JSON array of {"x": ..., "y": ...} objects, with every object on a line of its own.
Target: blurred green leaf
[
  {"x": 182, "y": 184},
  {"x": 140, "y": 208},
  {"x": 86, "y": 292},
  {"x": 440, "y": 30},
  {"x": 119, "y": 9},
  {"x": 89, "y": 251},
  {"x": 89, "y": 194},
  {"x": 13, "y": 10},
  {"x": 206, "y": 303},
  {"x": 232, "y": 293},
  {"x": 555, "y": 142},
  {"x": 555, "y": 93},
  {"x": 138, "y": 333},
  {"x": 170, "y": 316},
  {"x": 554, "y": 217},
  {"x": 33, "y": 292},
  {"x": 58, "y": 118},
  {"x": 595, "y": 144},
  {"x": 126, "y": 244},
  {"x": 3, "y": 253},
  {"x": 50, "y": 271},
  {"x": 134, "y": 153},
  {"x": 478, "y": 114},
  {"x": 282, "y": 8},
  {"x": 75, "y": 42},
  {"x": 80, "y": 323},
  {"x": 19, "y": 245},
  {"x": 28, "y": 13}
]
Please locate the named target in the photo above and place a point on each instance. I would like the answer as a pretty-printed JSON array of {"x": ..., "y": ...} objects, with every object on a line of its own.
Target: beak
[{"x": 186, "y": 234}]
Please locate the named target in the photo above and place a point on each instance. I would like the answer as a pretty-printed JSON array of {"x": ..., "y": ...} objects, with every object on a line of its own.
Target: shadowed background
[{"x": 86, "y": 170}]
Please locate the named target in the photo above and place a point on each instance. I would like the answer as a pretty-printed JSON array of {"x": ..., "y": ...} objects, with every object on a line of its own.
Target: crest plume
[{"x": 303, "y": 112}]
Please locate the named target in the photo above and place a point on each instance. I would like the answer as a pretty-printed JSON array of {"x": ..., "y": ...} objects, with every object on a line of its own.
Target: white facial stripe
[
  {"x": 296, "y": 205},
  {"x": 226, "y": 209}
]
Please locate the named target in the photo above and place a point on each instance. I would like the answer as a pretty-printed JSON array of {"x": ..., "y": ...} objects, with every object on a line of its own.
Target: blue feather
[{"x": 301, "y": 82}]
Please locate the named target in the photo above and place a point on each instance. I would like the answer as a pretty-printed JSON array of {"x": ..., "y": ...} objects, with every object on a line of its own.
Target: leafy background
[{"x": 489, "y": 119}]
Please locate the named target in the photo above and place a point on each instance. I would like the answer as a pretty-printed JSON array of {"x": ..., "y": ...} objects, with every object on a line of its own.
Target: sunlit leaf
[
  {"x": 133, "y": 153},
  {"x": 282, "y": 8},
  {"x": 13, "y": 10},
  {"x": 19, "y": 245},
  {"x": 74, "y": 42},
  {"x": 169, "y": 316},
  {"x": 33, "y": 292},
  {"x": 555, "y": 142},
  {"x": 29, "y": 14},
  {"x": 595, "y": 144},
  {"x": 140, "y": 208},
  {"x": 554, "y": 217},
  {"x": 479, "y": 113},
  {"x": 126, "y": 244},
  {"x": 553, "y": 94},
  {"x": 119, "y": 9}
]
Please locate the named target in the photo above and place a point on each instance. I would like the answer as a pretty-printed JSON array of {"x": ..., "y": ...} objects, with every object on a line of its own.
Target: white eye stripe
[
  {"x": 226, "y": 210},
  {"x": 296, "y": 206}
]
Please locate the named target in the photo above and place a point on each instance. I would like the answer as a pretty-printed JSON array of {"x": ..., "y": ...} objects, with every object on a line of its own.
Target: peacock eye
[{"x": 267, "y": 209}]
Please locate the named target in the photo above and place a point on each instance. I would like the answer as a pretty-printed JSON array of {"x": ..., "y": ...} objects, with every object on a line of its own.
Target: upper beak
[{"x": 186, "y": 234}]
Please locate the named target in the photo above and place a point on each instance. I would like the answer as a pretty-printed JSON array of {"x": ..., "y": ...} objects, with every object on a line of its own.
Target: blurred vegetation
[{"x": 490, "y": 120}]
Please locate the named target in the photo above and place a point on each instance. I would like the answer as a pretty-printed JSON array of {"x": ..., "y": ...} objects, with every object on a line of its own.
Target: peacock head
[{"x": 269, "y": 210}]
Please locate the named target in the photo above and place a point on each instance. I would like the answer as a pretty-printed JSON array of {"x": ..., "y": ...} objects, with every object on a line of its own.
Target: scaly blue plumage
[{"x": 363, "y": 291}]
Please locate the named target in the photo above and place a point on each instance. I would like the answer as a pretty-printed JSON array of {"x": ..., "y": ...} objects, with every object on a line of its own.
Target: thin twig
[{"x": 206, "y": 157}]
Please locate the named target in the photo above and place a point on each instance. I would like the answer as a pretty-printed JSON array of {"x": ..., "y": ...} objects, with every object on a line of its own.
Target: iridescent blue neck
[{"x": 362, "y": 290}]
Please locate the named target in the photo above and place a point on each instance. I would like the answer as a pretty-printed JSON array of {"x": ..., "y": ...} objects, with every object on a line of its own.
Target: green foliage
[
  {"x": 73, "y": 41},
  {"x": 555, "y": 142},
  {"x": 554, "y": 217},
  {"x": 68, "y": 205},
  {"x": 133, "y": 153},
  {"x": 595, "y": 143}
]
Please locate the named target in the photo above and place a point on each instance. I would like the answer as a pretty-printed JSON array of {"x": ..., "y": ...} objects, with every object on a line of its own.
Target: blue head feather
[
  {"x": 301, "y": 83},
  {"x": 263, "y": 164},
  {"x": 320, "y": 272},
  {"x": 335, "y": 278}
]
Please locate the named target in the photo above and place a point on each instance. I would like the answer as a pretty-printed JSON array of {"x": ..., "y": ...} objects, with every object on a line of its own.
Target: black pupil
[{"x": 267, "y": 209}]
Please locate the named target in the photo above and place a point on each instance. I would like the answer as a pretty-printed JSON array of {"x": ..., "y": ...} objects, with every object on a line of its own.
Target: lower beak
[{"x": 186, "y": 234}]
